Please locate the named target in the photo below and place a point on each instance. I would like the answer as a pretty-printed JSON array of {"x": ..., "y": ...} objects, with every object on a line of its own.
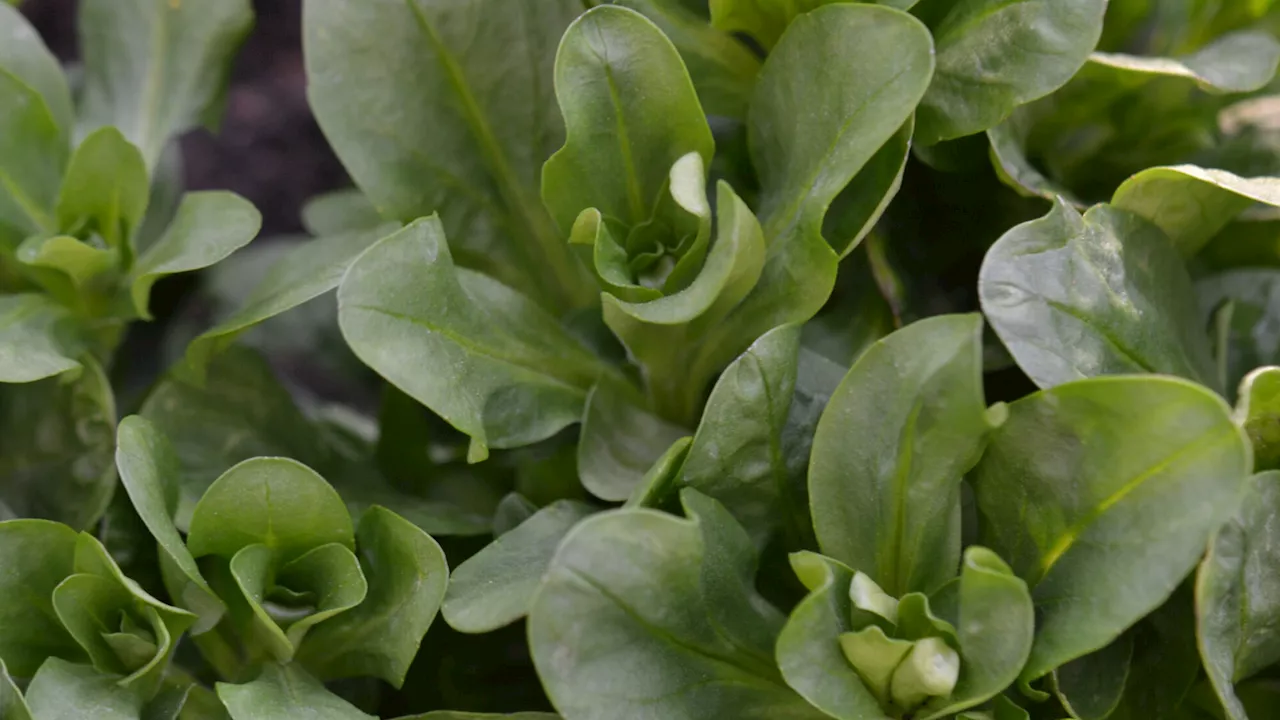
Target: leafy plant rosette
[{"x": 91, "y": 217}]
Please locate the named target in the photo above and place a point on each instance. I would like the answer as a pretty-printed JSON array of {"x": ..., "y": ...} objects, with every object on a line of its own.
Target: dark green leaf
[
  {"x": 897, "y": 436},
  {"x": 286, "y": 692},
  {"x": 462, "y": 128},
  {"x": 1090, "y": 687},
  {"x": 1166, "y": 662},
  {"x": 494, "y": 587},
  {"x": 1105, "y": 293},
  {"x": 157, "y": 68},
  {"x": 1247, "y": 336},
  {"x": 36, "y": 555},
  {"x": 619, "y": 443},
  {"x": 38, "y": 339},
  {"x": 1102, "y": 494}
]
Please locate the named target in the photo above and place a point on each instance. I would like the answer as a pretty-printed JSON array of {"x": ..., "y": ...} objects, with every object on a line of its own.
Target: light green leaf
[
  {"x": 462, "y": 131},
  {"x": 157, "y": 68},
  {"x": 890, "y": 451},
  {"x": 996, "y": 627},
  {"x": 859, "y": 71},
  {"x": 25, "y": 57},
  {"x": 149, "y": 471},
  {"x": 12, "y": 704},
  {"x": 740, "y": 455},
  {"x": 723, "y": 69},
  {"x": 1236, "y": 63},
  {"x": 1258, "y": 414},
  {"x": 1105, "y": 293},
  {"x": 994, "y": 55},
  {"x": 276, "y": 502},
  {"x": 74, "y": 265},
  {"x": 494, "y": 587},
  {"x": 38, "y": 339},
  {"x": 56, "y": 447},
  {"x": 1191, "y": 204},
  {"x": 105, "y": 191},
  {"x": 300, "y": 274},
  {"x": 33, "y": 150},
  {"x": 340, "y": 212},
  {"x": 286, "y": 692},
  {"x": 64, "y": 691},
  {"x": 407, "y": 574},
  {"x": 662, "y": 334},
  {"x": 1237, "y": 608},
  {"x": 670, "y": 605},
  {"x": 1104, "y": 532},
  {"x": 618, "y": 444},
  {"x": 630, "y": 112},
  {"x": 510, "y": 374},
  {"x": 208, "y": 227},
  {"x": 36, "y": 555},
  {"x": 808, "y": 651},
  {"x": 1090, "y": 687}
]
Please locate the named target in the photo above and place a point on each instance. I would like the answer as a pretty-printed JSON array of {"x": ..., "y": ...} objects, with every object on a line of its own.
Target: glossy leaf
[
  {"x": 276, "y": 502},
  {"x": 1237, "y": 608},
  {"x": 155, "y": 68},
  {"x": 494, "y": 587},
  {"x": 860, "y": 70},
  {"x": 1191, "y": 204},
  {"x": 65, "y": 691},
  {"x": 56, "y": 448},
  {"x": 1075, "y": 509},
  {"x": 994, "y": 56},
  {"x": 1236, "y": 62},
  {"x": 407, "y": 574},
  {"x": 679, "y": 619},
  {"x": 1076, "y": 296},
  {"x": 38, "y": 339},
  {"x": 463, "y": 130},
  {"x": 301, "y": 274},
  {"x": 808, "y": 655},
  {"x": 514, "y": 376},
  {"x": 106, "y": 189},
  {"x": 890, "y": 451},
  {"x": 36, "y": 556},
  {"x": 286, "y": 692},
  {"x": 630, "y": 112},
  {"x": 208, "y": 227}
]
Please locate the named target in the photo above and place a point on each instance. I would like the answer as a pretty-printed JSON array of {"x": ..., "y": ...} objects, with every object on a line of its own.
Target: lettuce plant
[{"x": 860, "y": 360}]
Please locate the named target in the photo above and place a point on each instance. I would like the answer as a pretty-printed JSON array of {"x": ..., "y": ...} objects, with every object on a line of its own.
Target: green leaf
[
  {"x": 1237, "y": 603},
  {"x": 340, "y": 212},
  {"x": 12, "y": 704},
  {"x": 105, "y": 191},
  {"x": 75, "y": 264},
  {"x": 1258, "y": 414},
  {"x": 38, "y": 339},
  {"x": 276, "y": 502},
  {"x": 630, "y": 112},
  {"x": 494, "y": 587},
  {"x": 464, "y": 134},
  {"x": 33, "y": 151},
  {"x": 1166, "y": 663},
  {"x": 661, "y": 335},
  {"x": 723, "y": 69},
  {"x": 157, "y": 68},
  {"x": 1009, "y": 142},
  {"x": 1248, "y": 339},
  {"x": 618, "y": 444},
  {"x": 667, "y": 603},
  {"x": 662, "y": 480},
  {"x": 301, "y": 274},
  {"x": 807, "y": 653},
  {"x": 64, "y": 691},
  {"x": 208, "y": 227},
  {"x": 1191, "y": 204},
  {"x": 873, "y": 66},
  {"x": 1102, "y": 530},
  {"x": 149, "y": 471},
  {"x": 890, "y": 451},
  {"x": 740, "y": 455},
  {"x": 286, "y": 692},
  {"x": 407, "y": 574},
  {"x": 1105, "y": 293},
  {"x": 996, "y": 629},
  {"x": 36, "y": 556},
  {"x": 764, "y": 20},
  {"x": 857, "y": 209},
  {"x": 56, "y": 448},
  {"x": 509, "y": 375},
  {"x": 25, "y": 57},
  {"x": 994, "y": 55},
  {"x": 1090, "y": 687},
  {"x": 453, "y": 715},
  {"x": 1234, "y": 63}
]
